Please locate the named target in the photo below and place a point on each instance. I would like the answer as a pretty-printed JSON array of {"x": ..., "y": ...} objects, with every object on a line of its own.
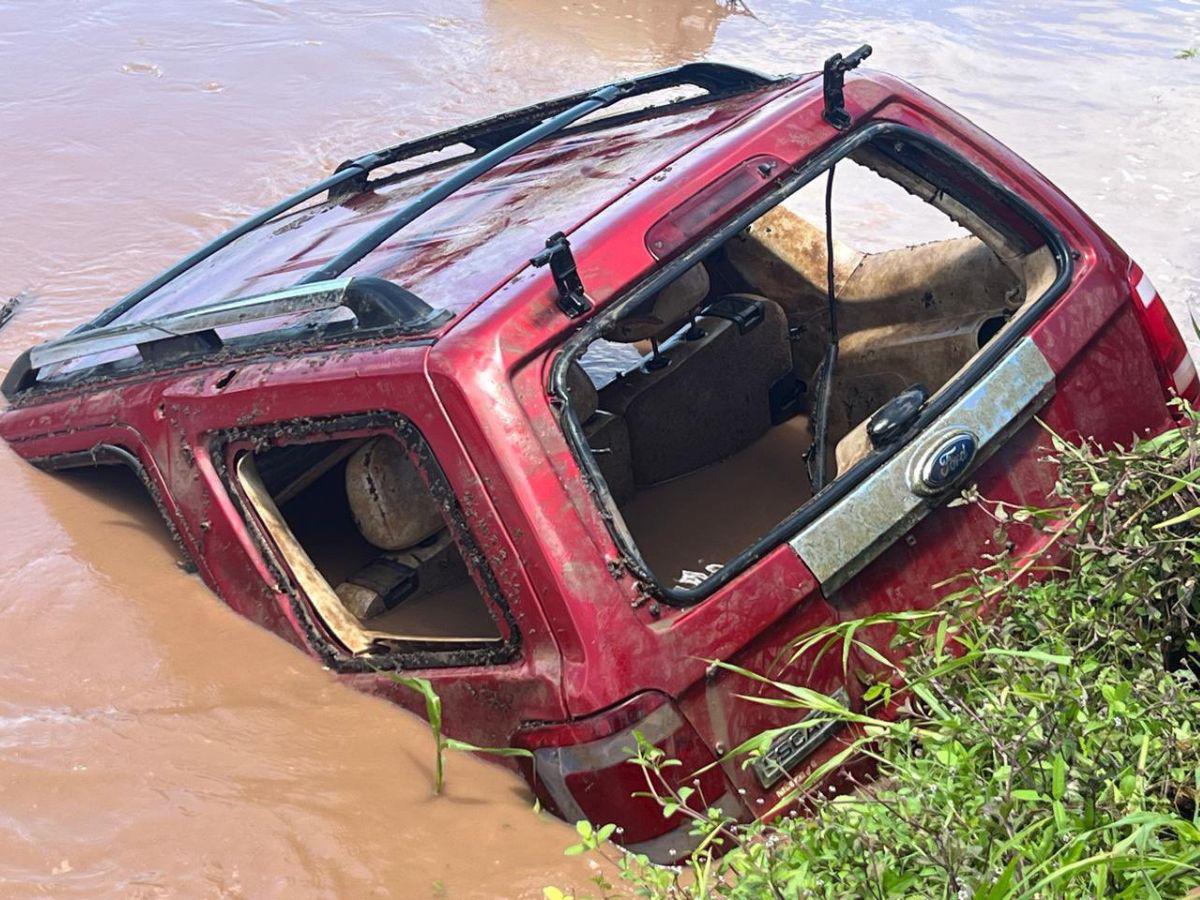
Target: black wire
[
  {"x": 829, "y": 289},
  {"x": 829, "y": 360}
]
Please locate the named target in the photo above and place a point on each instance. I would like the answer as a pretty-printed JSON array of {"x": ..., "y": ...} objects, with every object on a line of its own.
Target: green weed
[{"x": 433, "y": 714}]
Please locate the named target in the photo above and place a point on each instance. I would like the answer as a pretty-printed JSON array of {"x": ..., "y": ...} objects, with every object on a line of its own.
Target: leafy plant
[
  {"x": 1047, "y": 748},
  {"x": 433, "y": 713}
]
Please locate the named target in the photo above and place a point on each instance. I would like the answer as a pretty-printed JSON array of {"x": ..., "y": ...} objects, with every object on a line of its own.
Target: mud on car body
[{"x": 556, "y": 408}]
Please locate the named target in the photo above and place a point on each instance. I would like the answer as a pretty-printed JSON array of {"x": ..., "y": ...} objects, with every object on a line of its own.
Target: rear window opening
[
  {"x": 377, "y": 554},
  {"x": 698, "y": 399}
]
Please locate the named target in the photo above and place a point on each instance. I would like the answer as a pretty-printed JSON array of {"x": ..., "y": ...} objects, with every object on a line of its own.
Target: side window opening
[
  {"x": 697, "y": 402},
  {"x": 368, "y": 543}
]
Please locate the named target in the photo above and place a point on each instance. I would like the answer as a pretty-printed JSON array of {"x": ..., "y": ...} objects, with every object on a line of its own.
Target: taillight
[
  {"x": 711, "y": 204},
  {"x": 582, "y": 770},
  {"x": 1175, "y": 365}
]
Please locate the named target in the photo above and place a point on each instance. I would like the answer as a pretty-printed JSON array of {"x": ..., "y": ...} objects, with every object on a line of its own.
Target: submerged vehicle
[{"x": 558, "y": 408}]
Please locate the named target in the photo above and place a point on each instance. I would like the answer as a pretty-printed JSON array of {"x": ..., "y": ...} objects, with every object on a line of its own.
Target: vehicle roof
[{"x": 471, "y": 242}]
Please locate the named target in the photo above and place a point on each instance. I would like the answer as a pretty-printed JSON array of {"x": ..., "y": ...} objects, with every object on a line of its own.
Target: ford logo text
[{"x": 944, "y": 463}]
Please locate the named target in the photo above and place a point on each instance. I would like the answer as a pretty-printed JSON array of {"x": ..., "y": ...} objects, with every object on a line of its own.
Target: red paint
[{"x": 587, "y": 641}]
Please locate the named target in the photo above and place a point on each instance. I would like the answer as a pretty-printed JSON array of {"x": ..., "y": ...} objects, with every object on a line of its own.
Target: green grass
[
  {"x": 441, "y": 743},
  {"x": 1050, "y": 751}
]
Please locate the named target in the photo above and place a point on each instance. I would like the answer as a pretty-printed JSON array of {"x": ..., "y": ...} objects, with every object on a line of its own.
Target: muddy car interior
[
  {"x": 367, "y": 542},
  {"x": 701, "y": 404}
]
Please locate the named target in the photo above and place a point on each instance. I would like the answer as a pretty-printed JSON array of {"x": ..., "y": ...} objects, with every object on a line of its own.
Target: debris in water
[
  {"x": 140, "y": 68},
  {"x": 10, "y": 307}
]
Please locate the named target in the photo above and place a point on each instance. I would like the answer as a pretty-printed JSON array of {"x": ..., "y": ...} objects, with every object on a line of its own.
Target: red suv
[{"x": 557, "y": 408}]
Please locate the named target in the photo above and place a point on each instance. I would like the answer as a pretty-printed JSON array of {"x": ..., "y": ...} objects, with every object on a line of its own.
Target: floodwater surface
[{"x": 151, "y": 742}]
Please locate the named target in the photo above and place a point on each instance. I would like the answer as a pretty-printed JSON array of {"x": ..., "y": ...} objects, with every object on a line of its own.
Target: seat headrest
[
  {"x": 391, "y": 505},
  {"x": 581, "y": 393},
  {"x": 662, "y": 314}
]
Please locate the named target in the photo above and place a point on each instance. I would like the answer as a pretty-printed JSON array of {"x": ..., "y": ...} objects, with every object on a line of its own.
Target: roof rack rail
[
  {"x": 484, "y": 135},
  {"x": 488, "y": 134},
  {"x": 375, "y": 303}
]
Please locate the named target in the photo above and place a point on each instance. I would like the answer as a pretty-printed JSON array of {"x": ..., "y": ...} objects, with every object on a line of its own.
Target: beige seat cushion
[
  {"x": 662, "y": 314},
  {"x": 392, "y": 507}
]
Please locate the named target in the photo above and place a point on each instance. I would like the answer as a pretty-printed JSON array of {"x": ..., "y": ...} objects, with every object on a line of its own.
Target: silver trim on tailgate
[{"x": 839, "y": 544}]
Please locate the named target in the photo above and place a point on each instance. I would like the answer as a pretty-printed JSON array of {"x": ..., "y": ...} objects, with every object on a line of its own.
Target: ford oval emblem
[{"x": 939, "y": 467}]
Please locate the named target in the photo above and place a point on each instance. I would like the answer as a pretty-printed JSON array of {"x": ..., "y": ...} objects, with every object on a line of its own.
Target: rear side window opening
[
  {"x": 693, "y": 404},
  {"x": 371, "y": 535}
]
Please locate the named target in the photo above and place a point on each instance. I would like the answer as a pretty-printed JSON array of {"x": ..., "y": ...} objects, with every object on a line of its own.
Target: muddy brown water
[{"x": 151, "y": 742}]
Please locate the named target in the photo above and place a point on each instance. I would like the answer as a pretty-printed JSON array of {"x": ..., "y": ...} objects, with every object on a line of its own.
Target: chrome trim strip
[
  {"x": 839, "y": 543},
  {"x": 305, "y": 298},
  {"x": 549, "y": 769},
  {"x": 621, "y": 746}
]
